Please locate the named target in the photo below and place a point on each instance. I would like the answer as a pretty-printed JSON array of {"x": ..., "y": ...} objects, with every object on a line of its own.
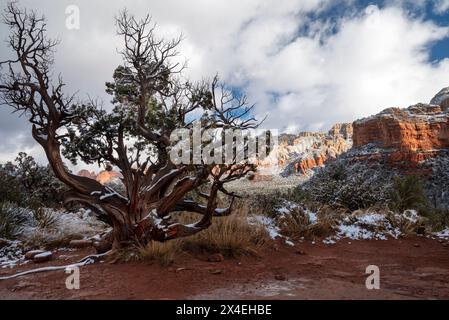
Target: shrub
[
  {"x": 10, "y": 187},
  {"x": 437, "y": 186},
  {"x": 163, "y": 253},
  {"x": 231, "y": 236},
  {"x": 303, "y": 223},
  {"x": 266, "y": 204},
  {"x": 407, "y": 193},
  {"x": 12, "y": 220},
  {"x": 27, "y": 183},
  {"x": 437, "y": 219},
  {"x": 408, "y": 222},
  {"x": 45, "y": 219},
  {"x": 350, "y": 186}
]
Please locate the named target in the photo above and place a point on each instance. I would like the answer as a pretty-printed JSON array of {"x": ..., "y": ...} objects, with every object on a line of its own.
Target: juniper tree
[{"x": 149, "y": 103}]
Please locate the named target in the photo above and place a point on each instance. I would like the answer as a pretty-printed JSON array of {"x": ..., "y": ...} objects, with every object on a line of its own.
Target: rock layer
[
  {"x": 297, "y": 154},
  {"x": 404, "y": 137},
  {"x": 104, "y": 177}
]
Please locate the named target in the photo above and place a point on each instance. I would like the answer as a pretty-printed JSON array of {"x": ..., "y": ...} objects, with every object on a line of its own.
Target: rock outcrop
[
  {"x": 405, "y": 137},
  {"x": 104, "y": 177},
  {"x": 298, "y": 154},
  {"x": 442, "y": 98}
]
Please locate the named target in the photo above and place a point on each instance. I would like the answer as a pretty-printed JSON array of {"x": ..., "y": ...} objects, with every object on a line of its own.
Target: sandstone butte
[
  {"x": 103, "y": 177},
  {"x": 297, "y": 154},
  {"x": 405, "y": 137}
]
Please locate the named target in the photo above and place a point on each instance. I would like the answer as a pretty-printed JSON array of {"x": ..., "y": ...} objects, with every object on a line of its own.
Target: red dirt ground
[{"x": 415, "y": 268}]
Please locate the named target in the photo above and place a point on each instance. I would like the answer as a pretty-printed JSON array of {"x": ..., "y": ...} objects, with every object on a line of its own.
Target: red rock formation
[
  {"x": 87, "y": 174},
  {"x": 297, "y": 154},
  {"x": 103, "y": 177},
  {"x": 405, "y": 136}
]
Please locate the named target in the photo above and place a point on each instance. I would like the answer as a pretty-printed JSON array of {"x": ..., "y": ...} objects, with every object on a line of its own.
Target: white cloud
[
  {"x": 375, "y": 60},
  {"x": 441, "y": 6}
]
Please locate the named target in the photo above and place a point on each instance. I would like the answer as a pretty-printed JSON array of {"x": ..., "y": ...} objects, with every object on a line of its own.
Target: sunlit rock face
[
  {"x": 298, "y": 154},
  {"x": 405, "y": 137},
  {"x": 104, "y": 177}
]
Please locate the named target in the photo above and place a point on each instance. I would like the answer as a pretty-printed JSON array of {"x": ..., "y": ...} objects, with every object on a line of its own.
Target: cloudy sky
[{"x": 307, "y": 63}]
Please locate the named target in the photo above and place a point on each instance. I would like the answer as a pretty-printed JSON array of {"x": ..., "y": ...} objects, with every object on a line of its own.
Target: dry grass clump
[
  {"x": 12, "y": 220},
  {"x": 162, "y": 253},
  {"x": 231, "y": 236},
  {"x": 297, "y": 222},
  {"x": 45, "y": 218},
  {"x": 407, "y": 222}
]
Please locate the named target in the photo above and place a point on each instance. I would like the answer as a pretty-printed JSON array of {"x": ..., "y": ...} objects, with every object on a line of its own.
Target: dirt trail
[{"x": 409, "y": 269}]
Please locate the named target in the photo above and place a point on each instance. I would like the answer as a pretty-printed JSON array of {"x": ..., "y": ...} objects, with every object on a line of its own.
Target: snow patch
[
  {"x": 288, "y": 206},
  {"x": 11, "y": 254},
  {"x": 269, "y": 224},
  {"x": 444, "y": 234},
  {"x": 366, "y": 226}
]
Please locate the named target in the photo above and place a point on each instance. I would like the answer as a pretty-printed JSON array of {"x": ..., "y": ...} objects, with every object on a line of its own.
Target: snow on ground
[
  {"x": 370, "y": 226},
  {"x": 11, "y": 254},
  {"x": 268, "y": 223},
  {"x": 367, "y": 226},
  {"x": 271, "y": 227},
  {"x": 444, "y": 234},
  {"x": 67, "y": 225},
  {"x": 360, "y": 225},
  {"x": 288, "y": 206}
]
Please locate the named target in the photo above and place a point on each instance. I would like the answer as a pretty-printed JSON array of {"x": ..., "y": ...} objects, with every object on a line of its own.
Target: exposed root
[{"x": 83, "y": 262}]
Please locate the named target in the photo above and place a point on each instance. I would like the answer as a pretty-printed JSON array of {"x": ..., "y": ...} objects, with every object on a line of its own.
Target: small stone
[
  {"x": 300, "y": 252},
  {"x": 31, "y": 254},
  {"x": 280, "y": 277},
  {"x": 43, "y": 257},
  {"x": 445, "y": 245},
  {"x": 80, "y": 244},
  {"x": 217, "y": 271},
  {"x": 180, "y": 269},
  {"x": 416, "y": 245},
  {"x": 216, "y": 257}
]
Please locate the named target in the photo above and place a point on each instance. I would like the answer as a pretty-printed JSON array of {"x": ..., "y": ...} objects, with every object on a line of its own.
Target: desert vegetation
[
  {"x": 150, "y": 102},
  {"x": 341, "y": 192}
]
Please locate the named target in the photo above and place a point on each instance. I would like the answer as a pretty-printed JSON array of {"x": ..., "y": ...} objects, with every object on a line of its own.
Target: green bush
[
  {"x": 266, "y": 204},
  {"x": 29, "y": 184},
  {"x": 10, "y": 186},
  {"x": 437, "y": 218},
  {"x": 349, "y": 186},
  {"x": 12, "y": 220},
  {"x": 407, "y": 193}
]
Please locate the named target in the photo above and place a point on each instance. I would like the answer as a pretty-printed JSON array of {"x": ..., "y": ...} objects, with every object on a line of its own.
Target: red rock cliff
[
  {"x": 406, "y": 136},
  {"x": 296, "y": 154}
]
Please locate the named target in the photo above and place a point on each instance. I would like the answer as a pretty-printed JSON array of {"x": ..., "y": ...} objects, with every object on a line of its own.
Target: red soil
[{"x": 409, "y": 269}]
